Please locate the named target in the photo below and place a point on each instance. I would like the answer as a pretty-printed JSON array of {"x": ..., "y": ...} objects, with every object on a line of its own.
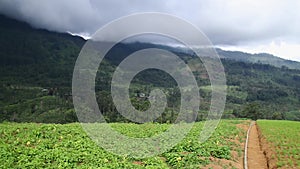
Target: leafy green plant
[
  {"x": 34, "y": 145},
  {"x": 284, "y": 137}
]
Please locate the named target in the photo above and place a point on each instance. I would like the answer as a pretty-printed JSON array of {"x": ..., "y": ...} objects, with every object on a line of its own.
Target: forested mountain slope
[{"x": 37, "y": 66}]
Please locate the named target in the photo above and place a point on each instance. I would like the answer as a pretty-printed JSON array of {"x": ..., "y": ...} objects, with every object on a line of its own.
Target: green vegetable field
[
  {"x": 283, "y": 138},
  {"x": 34, "y": 145}
]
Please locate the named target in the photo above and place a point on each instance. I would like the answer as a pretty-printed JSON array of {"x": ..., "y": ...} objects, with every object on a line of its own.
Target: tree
[
  {"x": 253, "y": 111},
  {"x": 277, "y": 116}
]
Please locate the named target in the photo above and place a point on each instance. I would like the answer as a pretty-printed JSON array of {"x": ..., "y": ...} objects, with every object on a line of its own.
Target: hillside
[
  {"x": 263, "y": 58},
  {"x": 37, "y": 66}
]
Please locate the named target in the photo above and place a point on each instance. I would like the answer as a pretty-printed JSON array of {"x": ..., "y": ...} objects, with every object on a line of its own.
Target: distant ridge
[{"x": 263, "y": 58}]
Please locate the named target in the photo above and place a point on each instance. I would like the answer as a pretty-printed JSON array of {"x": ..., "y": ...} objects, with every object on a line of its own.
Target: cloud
[{"x": 225, "y": 22}]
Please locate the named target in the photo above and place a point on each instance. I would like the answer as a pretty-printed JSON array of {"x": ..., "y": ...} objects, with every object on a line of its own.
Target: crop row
[{"x": 32, "y": 145}]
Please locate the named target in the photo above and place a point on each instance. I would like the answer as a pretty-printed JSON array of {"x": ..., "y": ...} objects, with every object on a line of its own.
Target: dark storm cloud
[{"x": 224, "y": 21}]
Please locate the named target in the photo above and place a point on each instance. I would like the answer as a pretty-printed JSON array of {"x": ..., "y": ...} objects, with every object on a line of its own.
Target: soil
[
  {"x": 269, "y": 152},
  {"x": 258, "y": 152},
  {"x": 237, "y": 159},
  {"x": 256, "y": 156}
]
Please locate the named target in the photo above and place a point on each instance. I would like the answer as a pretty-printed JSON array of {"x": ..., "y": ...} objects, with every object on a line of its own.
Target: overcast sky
[{"x": 271, "y": 26}]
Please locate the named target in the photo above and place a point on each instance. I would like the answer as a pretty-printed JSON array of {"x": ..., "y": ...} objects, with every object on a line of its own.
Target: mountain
[
  {"x": 37, "y": 65},
  {"x": 27, "y": 51},
  {"x": 263, "y": 58}
]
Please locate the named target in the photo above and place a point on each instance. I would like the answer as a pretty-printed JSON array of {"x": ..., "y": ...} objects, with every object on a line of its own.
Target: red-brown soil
[{"x": 256, "y": 156}]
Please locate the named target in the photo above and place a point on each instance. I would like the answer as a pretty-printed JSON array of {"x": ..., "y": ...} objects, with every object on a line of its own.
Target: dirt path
[{"x": 256, "y": 157}]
